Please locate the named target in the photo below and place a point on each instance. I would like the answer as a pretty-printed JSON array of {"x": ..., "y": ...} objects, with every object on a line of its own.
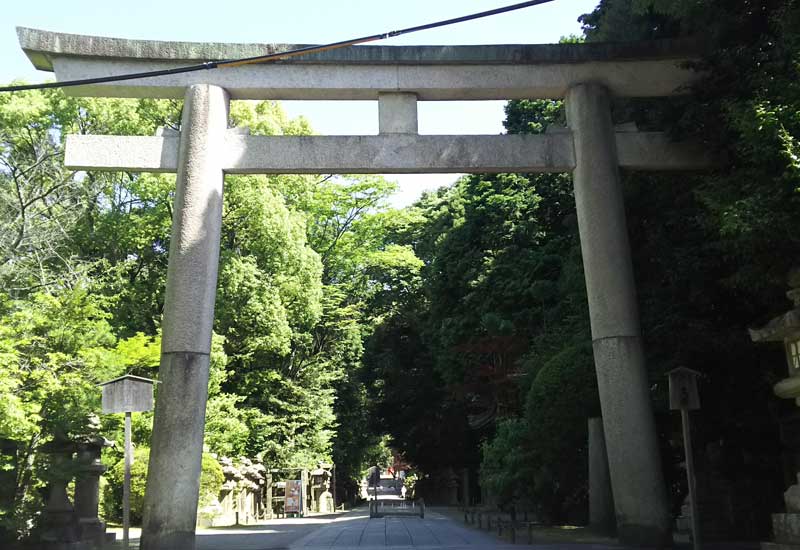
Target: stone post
[
  {"x": 601, "y": 501},
  {"x": 397, "y": 113},
  {"x": 303, "y": 493},
  {"x": 466, "y": 501},
  {"x": 268, "y": 497},
  {"x": 87, "y": 489},
  {"x": 173, "y": 478},
  {"x": 636, "y": 477}
]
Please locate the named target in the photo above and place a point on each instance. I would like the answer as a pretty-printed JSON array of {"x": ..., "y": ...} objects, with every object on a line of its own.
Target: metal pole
[
  {"x": 334, "y": 488},
  {"x": 126, "y": 484},
  {"x": 687, "y": 446}
]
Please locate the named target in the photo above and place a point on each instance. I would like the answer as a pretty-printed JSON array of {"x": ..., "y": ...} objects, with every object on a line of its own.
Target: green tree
[
  {"x": 56, "y": 348},
  {"x": 95, "y": 247}
]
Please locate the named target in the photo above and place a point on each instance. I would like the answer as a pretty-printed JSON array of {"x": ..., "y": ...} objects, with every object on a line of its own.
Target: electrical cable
[{"x": 208, "y": 65}]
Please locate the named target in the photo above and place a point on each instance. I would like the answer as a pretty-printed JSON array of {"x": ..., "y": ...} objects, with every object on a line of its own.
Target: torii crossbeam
[{"x": 585, "y": 75}]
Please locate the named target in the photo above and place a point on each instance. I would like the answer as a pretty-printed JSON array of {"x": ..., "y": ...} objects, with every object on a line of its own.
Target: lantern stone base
[
  {"x": 93, "y": 531},
  {"x": 786, "y": 529}
]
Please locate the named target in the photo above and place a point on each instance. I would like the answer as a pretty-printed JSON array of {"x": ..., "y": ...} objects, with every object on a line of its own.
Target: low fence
[
  {"x": 382, "y": 508},
  {"x": 515, "y": 529}
]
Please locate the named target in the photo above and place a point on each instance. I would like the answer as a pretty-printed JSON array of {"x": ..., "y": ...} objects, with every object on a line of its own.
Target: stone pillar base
[
  {"x": 786, "y": 529},
  {"x": 93, "y": 531}
]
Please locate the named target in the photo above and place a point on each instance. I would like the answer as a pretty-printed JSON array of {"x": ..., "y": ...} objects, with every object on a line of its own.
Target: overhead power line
[{"x": 267, "y": 58}]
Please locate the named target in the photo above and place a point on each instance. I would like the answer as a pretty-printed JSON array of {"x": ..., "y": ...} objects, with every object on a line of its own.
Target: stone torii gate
[{"x": 586, "y": 75}]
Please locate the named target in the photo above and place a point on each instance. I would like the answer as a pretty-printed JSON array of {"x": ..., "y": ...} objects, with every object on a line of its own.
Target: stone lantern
[
  {"x": 75, "y": 525},
  {"x": 87, "y": 489},
  {"x": 321, "y": 497},
  {"x": 61, "y": 527},
  {"x": 786, "y": 329}
]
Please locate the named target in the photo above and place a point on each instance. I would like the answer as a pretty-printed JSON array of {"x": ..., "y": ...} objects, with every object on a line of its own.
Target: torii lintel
[
  {"x": 382, "y": 154},
  {"x": 492, "y": 72}
]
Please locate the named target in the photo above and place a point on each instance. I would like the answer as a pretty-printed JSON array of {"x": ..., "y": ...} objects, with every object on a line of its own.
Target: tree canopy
[{"x": 83, "y": 267}]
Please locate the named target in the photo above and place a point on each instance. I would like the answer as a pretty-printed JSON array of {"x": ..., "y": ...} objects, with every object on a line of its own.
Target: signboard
[
  {"x": 294, "y": 495},
  {"x": 683, "y": 389},
  {"x": 127, "y": 394}
]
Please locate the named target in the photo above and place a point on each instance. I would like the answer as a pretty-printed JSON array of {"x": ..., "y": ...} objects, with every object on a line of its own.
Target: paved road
[
  {"x": 436, "y": 531},
  {"x": 355, "y": 530},
  {"x": 359, "y": 531},
  {"x": 269, "y": 534}
]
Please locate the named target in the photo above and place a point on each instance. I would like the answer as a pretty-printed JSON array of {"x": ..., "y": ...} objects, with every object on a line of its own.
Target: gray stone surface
[
  {"x": 171, "y": 497},
  {"x": 194, "y": 245},
  {"x": 360, "y": 82},
  {"x": 398, "y": 154},
  {"x": 397, "y": 113},
  {"x": 601, "y": 501},
  {"x": 45, "y": 43},
  {"x": 601, "y": 216},
  {"x": 637, "y": 481},
  {"x": 786, "y": 528},
  {"x": 435, "y": 530},
  {"x": 552, "y": 152},
  {"x": 335, "y": 154},
  {"x": 355, "y": 530},
  {"x": 173, "y": 477},
  {"x": 791, "y": 497},
  {"x": 141, "y": 153},
  {"x": 636, "y": 477},
  {"x": 87, "y": 489},
  {"x": 656, "y": 151},
  {"x": 362, "y": 72}
]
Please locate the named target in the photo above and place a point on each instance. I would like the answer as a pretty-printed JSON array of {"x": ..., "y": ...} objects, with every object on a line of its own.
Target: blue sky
[{"x": 307, "y": 22}]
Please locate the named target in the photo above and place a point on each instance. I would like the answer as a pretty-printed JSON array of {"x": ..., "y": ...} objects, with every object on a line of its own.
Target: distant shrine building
[{"x": 586, "y": 76}]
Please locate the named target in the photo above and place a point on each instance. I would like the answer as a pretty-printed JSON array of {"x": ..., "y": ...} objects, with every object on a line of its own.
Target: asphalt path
[
  {"x": 397, "y": 530},
  {"x": 273, "y": 534}
]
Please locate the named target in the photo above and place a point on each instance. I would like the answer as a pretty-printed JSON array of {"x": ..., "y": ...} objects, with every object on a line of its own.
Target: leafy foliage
[{"x": 83, "y": 259}]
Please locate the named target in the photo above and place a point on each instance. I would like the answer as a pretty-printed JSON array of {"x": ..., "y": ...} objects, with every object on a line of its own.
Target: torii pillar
[
  {"x": 638, "y": 483},
  {"x": 173, "y": 474}
]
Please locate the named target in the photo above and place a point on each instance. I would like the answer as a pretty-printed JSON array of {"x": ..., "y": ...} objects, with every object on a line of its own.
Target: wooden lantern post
[
  {"x": 683, "y": 396},
  {"x": 127, "y": 394}
]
